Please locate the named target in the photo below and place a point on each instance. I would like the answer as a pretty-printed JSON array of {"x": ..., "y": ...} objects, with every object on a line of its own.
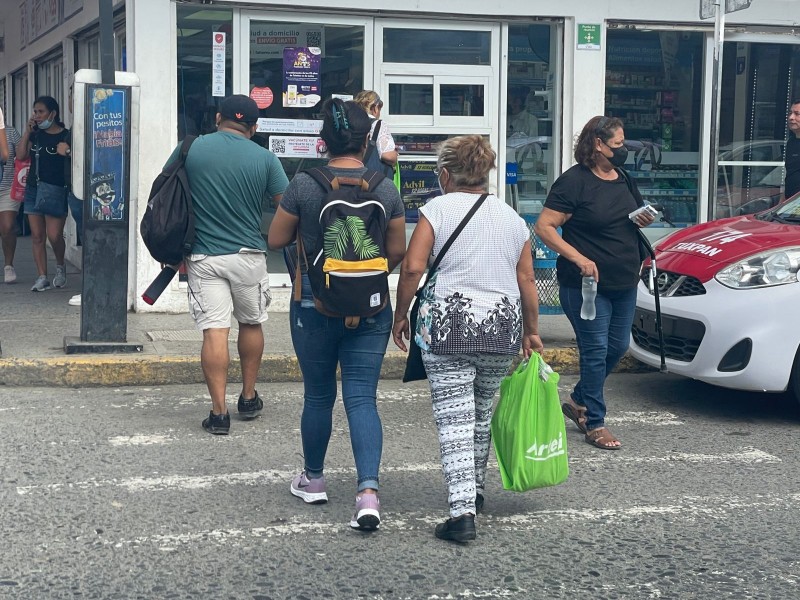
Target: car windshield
[{"x": 788, "y": 212}]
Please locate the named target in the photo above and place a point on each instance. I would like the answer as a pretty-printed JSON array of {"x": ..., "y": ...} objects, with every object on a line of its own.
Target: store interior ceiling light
[{"x": 183, "y": 32}]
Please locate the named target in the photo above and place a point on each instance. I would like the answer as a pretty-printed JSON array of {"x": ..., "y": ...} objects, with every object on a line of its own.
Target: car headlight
[{"x": 775, "y": 267}]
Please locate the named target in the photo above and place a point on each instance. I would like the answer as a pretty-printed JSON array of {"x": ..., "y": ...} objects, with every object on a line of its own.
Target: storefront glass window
[
  {"x": 294, "y": 113},
  {"x": 759, "y": 82},
  {"x": 50, "y": 79},
  {"x": 529, "y": 117},
  {"x": 87, "y": 45},
  {"x": 22, "y": 104},
  {"x": 461, "y": 100},
  {"x": 410, "y": 99},
  {"x": 294, "y": 68},
  {"x": 197, "y": 106},
  {"x": 436, "y": 46},
  {"x": 654, "y": 84}
]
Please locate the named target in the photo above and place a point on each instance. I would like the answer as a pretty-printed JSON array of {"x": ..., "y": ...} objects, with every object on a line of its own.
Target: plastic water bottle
[{"x": 589, "y": 293}]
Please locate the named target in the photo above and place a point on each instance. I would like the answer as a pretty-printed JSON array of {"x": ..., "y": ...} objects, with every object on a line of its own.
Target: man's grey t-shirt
[{"x": 304, "y": 197}]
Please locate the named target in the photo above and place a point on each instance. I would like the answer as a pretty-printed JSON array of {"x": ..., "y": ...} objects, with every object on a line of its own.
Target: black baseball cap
[{"x": 239, "y": 108}]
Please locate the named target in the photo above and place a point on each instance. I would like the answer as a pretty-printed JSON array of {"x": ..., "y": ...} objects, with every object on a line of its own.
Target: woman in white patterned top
[
  {"x": 475, "y": 313},
  {"x": 371, "y": 102}
]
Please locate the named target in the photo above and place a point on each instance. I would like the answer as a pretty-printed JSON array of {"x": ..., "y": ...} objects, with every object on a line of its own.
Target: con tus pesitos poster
[
  {"x": 301, "y": 78},
  {"x": 109, "y": 123}
]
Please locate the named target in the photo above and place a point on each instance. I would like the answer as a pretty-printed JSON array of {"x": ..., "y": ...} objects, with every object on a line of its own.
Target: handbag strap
[
  {"x": 627, "y": 178},
  {"x": 298, "y": 274},
  {"x": 453, "y": 237},
  {"x": 376, "y": 131},
  {"x": 38, "y": 148}
]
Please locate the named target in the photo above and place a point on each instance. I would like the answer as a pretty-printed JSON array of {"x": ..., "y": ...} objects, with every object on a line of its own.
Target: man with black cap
[{"x": 227, "y": 269}]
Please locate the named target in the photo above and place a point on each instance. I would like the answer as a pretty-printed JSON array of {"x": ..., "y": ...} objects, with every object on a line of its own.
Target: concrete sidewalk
[{"x": 33, "y": 327}]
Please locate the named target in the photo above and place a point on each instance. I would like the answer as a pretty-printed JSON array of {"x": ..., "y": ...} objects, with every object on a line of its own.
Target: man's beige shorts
[{"x": 235, "y": 284}]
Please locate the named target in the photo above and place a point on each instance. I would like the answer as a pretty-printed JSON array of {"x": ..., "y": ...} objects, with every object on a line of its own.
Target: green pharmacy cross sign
[{"x": 589, "y": 36}]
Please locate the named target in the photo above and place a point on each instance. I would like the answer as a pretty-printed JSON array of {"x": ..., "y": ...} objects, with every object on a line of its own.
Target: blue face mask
[{"x": 45, "y": 124}]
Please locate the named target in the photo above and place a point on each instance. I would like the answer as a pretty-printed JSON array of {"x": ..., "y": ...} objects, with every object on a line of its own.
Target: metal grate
[
  {"x": 547, "y": 286},
  {"x": 674, "y": 284},
  {"x": 682, "y": 337}
]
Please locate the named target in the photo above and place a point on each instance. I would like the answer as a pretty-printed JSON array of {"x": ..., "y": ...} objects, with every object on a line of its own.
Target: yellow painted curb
[{"x": 104, "y": 370}]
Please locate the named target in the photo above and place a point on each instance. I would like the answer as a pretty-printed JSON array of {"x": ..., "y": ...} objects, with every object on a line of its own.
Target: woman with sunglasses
[
  {"x": 591, "y": 202},
  {"x": 46, "y": 188}
]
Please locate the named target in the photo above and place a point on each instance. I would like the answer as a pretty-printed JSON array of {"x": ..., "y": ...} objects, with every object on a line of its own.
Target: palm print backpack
[{"x": 349, "y": 273}]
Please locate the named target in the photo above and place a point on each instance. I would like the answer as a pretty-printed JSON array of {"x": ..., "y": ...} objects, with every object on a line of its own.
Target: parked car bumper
[{"x": 707, "y": 335}]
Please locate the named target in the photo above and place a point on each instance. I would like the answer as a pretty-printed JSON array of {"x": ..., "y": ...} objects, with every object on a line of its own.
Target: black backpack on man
[
  {"x": 349, "y": 271},
  {"x": 167, "y": 227}
]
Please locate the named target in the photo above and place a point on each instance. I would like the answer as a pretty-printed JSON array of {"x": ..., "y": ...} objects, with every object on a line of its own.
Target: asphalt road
[{"x": 118, "y": 493}]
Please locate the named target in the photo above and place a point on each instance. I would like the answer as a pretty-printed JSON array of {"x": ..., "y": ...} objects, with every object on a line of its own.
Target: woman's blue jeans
[
  {"x": 601, "y": 344},
  {"x": 321, "y": 343}
]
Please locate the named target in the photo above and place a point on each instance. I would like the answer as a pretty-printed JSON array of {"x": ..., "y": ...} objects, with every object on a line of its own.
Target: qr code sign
[
  {"x": 313, "y": 39},
  {"x": 277, "y": 145}
]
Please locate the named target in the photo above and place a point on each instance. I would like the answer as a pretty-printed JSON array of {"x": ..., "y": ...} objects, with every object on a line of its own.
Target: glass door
[
  {"x": 654, "y": 83},
  {"x": 329, "y": 52},
  {"x": 759, "y": 82},
  {"x": 438, "y": 80}
]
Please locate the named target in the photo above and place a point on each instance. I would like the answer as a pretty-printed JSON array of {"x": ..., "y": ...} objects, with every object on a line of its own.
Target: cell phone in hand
[{"x": 642, "y": 210}]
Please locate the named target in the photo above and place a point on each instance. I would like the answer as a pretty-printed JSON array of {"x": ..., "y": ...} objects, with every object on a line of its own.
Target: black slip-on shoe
[
  {"x": 460, "y": 529},
  {"x": 249, "y": 409},
  {"x": 217, "y": 424}
]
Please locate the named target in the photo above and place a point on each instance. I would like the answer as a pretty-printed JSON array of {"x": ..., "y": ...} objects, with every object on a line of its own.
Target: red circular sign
[{"x": 263, "y": 96}]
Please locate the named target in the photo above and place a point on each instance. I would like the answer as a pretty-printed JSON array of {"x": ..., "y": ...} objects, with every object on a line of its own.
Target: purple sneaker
[
  {"x": 367, "y": 516},
  {"x": 312, "y": 491}
]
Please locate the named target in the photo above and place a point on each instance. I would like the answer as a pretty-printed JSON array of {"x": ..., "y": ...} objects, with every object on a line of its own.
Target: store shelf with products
[
  {"x": 673, "y": 183},
  {"x": 646, "y": 105}
]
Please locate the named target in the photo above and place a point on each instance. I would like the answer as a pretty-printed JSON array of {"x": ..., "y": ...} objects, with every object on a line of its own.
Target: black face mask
[{"x": 619, "y": 156}]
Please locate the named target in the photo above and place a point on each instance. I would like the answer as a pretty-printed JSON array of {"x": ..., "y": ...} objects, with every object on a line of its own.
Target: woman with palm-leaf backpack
[{"x": 322, "y": 341}]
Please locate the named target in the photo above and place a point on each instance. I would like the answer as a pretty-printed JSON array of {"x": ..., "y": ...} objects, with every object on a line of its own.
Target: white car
[{"x": 729, "y": 294}]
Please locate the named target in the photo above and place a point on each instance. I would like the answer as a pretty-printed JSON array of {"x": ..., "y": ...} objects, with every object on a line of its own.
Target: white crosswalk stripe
[
  {"x": 270, "y": 476},
  {"x": 712, "y": 507}
]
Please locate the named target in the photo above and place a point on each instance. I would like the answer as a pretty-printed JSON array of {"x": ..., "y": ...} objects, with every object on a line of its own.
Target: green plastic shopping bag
[{"x": 528, "y": 430}]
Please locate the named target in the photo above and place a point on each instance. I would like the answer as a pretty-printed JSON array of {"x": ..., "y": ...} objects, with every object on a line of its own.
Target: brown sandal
[
  {"x": 575, "y": 413},
  {"x": 602, "y": 438}
]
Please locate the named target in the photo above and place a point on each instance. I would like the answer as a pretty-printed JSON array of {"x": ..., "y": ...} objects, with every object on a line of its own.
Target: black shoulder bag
[
  {"x": 415, "y": 369},
  {"x": 372, "y": 158}
]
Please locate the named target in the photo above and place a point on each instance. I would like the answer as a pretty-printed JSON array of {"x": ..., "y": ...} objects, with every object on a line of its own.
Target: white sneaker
[
  {"x": 9, "y": 274},
  {"x": 41, "y": 284},
  {"x": 75, "y": 300},
  {"x": 60, "y": 280}
]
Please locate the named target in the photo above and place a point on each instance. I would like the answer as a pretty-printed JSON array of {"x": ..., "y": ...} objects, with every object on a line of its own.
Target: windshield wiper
[{"x": 788, "y": 219}]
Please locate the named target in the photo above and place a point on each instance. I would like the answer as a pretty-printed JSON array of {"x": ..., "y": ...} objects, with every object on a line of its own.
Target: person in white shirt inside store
[{"x": 520, "y": 120}]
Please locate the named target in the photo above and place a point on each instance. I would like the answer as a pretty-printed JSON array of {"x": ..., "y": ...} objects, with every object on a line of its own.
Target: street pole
[
  {"x": 716, "y": 103},
  {"x": 106, "y": 196}
]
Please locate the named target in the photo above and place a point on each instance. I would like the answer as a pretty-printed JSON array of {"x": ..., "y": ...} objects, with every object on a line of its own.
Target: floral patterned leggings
[{"x": 463, "y": 387}]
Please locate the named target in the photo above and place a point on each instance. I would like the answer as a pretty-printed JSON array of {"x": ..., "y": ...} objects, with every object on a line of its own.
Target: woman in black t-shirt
[
  {"x": 590, "y": 202},
  {"x": 45, "y": 141}
]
